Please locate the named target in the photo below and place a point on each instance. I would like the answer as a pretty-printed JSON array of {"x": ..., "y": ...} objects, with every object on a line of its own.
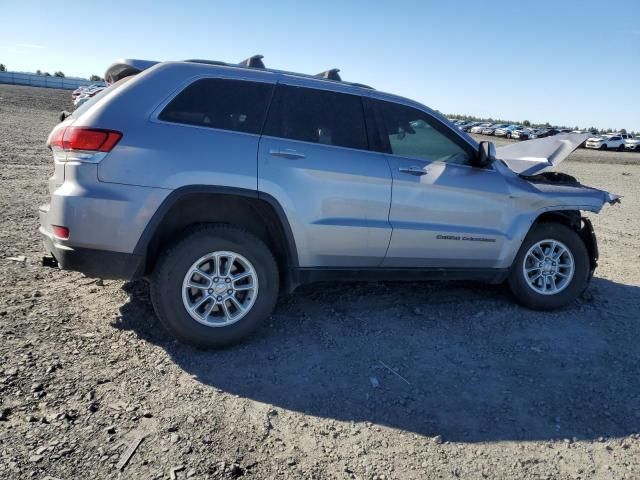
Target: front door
[{"x": 445, "y": 213}]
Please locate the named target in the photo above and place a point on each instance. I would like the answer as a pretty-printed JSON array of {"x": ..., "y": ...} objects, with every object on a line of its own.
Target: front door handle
[
  {"x": 413, "y": 170},
  {"x": 290, "y": 154}
]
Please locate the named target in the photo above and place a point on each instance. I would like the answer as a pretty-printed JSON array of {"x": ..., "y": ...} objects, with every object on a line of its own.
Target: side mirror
[{"x": 486, "y": 154}]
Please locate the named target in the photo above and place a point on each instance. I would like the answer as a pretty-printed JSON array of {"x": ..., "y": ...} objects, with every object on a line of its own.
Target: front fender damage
[
  {"x": 532, "y": 161},
  {"x": 588, "y": 236}
]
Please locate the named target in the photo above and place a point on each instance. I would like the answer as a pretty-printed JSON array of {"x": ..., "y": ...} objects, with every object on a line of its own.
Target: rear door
[
  {"x": 445, "y": 213},
  {"x": 207, "y": 133},
  {"x": 616, "y": 142},
  {"x": 314, "y": 159}
]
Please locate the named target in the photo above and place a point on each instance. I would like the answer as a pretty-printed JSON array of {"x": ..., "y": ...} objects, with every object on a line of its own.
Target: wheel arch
[
  {"x": 257, "y": 212},
  {"x": 581, "y": 225}
]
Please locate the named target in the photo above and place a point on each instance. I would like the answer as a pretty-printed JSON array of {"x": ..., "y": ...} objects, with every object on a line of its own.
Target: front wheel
[
  {"x": 551, "y": 269},
  {"x": 621, "y": 148},
  {"x": 214, "y": 286}
]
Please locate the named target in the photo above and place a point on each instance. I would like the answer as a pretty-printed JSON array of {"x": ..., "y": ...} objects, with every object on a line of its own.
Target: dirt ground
[{"x": 366, "y": 381}]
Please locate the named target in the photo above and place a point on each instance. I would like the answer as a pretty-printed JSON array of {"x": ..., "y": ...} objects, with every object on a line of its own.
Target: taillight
[
  {"x": 56, "y": 138},
  {"x": 83, "y": 144},
  {"x": 93, "y": 139},
  {"x": 61, "y": 232}
]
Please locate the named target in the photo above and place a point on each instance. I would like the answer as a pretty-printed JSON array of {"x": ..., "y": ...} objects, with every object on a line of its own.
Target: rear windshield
[{"x": 87, "y": 105}]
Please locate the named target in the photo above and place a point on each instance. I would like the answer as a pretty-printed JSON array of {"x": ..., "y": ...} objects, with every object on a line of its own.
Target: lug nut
[
  {"x": 219, "y": 298},
  {"x": 229, "y": 292},
  {"x": 228, "y": 280}
]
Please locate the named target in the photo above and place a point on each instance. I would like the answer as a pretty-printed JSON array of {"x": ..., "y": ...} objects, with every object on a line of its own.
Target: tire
[
  {"x": 170, "y": 296},
  {"x": 603, "y": 146},
  {"x": 621, "y": 148},
  {"x": 573, "y": 288}
]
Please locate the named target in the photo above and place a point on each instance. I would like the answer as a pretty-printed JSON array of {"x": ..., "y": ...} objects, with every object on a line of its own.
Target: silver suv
[{"x": 223, "y": 184}]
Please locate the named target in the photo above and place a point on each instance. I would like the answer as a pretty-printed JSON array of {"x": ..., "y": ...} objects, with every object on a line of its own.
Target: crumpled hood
[{"x": 539, "y": 155}]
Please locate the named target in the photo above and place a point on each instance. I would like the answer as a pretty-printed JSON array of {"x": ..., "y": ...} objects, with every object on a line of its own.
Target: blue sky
[{"x": 565, "y": 62}]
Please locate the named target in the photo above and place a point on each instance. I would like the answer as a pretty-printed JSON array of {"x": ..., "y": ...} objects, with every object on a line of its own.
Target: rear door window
[
  {"x": 317, "y": 116},
  {"x": 235, "y": 105}
]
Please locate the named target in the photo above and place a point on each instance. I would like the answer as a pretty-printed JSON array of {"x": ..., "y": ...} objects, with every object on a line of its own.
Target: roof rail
[
  {"x": 254, "y": 61},
  {"x": 330, "y": 75},
  {"x": 207, "y": 62},
  {"x": 126, "y": 67}
]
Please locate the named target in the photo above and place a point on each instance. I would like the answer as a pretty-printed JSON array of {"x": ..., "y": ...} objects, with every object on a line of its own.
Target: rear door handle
[
  {"x": 413, "y": 170},
  {"x": 290, "y": 154}
]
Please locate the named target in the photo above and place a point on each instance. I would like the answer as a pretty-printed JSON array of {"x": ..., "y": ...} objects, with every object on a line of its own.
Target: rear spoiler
[{"x": 125, "y": 68}]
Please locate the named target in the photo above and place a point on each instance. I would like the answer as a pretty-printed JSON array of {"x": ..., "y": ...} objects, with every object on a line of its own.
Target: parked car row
[
  {"x": 84, "y": 93},
  {"x": 632, "y": 144},
  {"x": 612, "y": 141}
]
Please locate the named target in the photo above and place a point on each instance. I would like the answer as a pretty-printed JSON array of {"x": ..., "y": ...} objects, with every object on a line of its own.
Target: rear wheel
[
  {"x": 551, "y": 269},
  {"x": 603, "y": 146},
  {"x": 621, "y": 148},
  {"x": 214, "y": 286}
]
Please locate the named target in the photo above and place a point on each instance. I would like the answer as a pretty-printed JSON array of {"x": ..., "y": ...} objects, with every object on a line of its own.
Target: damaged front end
[
  {"x": 543, "y": 195},
  {"x": 583, "y": 226},
  {"x": 532, "y": 161},
  {"x": 539, "y": 155}
]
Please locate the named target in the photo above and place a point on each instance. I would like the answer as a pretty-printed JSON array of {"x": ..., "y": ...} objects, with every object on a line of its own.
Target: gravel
[{"x": 490, "y": 390}]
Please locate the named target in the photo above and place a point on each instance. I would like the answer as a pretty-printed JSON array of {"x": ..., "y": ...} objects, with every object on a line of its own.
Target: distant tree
[
  {"x": 58, "y": 74},
  {"x": 526, "y": 123},
  {"x": 547, "y": 124},
  {"x": 47, "y": 74},
  {"x": 95, "y": 78},
  {"x": 2, "y": 67},
  {"x": 623, "y": 131},
  {"x": 38, "y": 72}
]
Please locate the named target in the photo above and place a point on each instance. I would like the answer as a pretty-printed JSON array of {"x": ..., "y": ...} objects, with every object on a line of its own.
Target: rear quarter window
[
  {"x": 103, "y": 93},
  {"x": 234, "y": 105}
]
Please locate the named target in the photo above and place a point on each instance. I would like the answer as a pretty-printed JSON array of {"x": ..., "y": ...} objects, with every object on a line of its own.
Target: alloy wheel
[
  {"x": 548, "y": 267},
  {"x": 220, "y": 288}
]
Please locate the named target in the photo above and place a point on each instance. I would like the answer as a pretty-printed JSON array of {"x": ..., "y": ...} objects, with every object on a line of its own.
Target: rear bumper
[{"x": 91, "y": 262}]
